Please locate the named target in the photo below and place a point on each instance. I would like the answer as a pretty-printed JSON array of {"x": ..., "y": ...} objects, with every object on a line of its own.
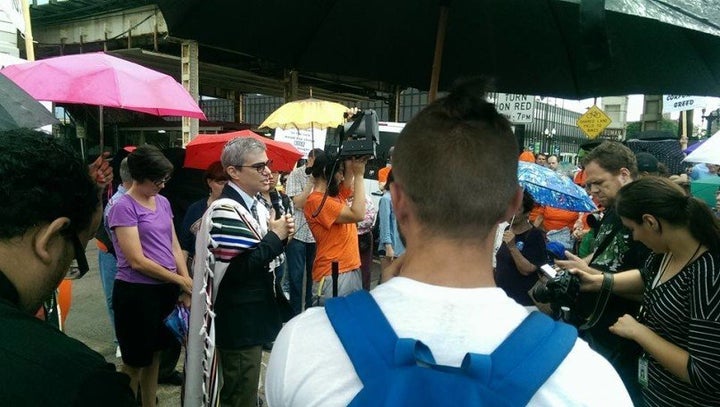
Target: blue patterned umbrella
[{"x": 549, "y": 188}]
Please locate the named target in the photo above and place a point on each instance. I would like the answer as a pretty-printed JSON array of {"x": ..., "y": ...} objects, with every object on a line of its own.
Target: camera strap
[
  {"x": 604, "y": 244},
  {"x": 603, "y": 296},
  {"x": 607, "y": 283}
]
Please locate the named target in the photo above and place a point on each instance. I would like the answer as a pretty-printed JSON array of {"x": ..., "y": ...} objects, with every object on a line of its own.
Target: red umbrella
[{"x": 205, "y": 149}]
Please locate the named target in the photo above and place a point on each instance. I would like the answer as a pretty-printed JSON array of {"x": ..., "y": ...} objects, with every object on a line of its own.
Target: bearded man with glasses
[{"x": 51, "y": 208}]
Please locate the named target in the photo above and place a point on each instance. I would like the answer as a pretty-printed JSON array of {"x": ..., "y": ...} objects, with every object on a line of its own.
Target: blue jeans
[
  {"x": 108, "y": 268},
  {"x": 299, "y": 258}
]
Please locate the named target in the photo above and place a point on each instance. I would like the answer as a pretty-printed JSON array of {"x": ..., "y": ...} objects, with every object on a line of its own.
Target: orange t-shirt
[
  {"x": 334, "y": 241},
  {"x": 554, "y": 218},
  {"x": 527, "y": 156},
  {"x": 580, "y": 178},
  {"x": 535, "y": 212},
  {"x": 383, "y": 174}
]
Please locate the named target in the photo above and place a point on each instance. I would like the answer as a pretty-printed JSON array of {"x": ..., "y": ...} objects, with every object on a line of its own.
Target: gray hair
[
  {"x": 236, "y": 149},
  {"x": 125, "y": 171}
]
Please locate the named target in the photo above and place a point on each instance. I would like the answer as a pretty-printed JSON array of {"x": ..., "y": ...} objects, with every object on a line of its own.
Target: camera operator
[
  {"x": 333, "y": 223},
  {"x": 608, "y": 167}
]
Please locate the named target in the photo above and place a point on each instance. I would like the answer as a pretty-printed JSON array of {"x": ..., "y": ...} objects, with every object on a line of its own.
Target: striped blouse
[{"x": 685, "y": 310}]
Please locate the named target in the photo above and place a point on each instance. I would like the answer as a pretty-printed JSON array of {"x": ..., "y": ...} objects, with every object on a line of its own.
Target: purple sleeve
[{"x": 122, "y": 214}]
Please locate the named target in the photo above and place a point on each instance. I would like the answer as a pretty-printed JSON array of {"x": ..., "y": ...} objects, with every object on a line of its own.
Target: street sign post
[{"x": 593, "y": 122}]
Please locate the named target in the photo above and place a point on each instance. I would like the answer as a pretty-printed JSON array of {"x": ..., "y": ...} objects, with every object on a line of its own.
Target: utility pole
[
  {"x": 652, "y": 113},
  {"x": 29, "y": 47},
  {"x": 190, "y": 80}
]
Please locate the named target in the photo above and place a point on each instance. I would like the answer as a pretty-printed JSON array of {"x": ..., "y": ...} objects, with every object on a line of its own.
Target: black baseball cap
[{"x": 646, "y": 162}]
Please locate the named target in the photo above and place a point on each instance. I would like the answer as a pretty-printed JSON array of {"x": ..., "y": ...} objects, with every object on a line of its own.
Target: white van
[{"x": 389, "y": 132}]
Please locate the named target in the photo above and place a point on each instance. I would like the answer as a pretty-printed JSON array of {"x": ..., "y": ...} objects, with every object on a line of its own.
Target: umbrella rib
[{"x": 695, "y": 17}]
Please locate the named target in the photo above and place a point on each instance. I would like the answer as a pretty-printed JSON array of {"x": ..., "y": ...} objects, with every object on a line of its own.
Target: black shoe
[{"x": 173, "y": 379}]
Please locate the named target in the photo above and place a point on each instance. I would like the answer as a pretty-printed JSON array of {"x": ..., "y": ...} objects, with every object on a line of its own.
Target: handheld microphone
[{"x": 276, "y": 202}]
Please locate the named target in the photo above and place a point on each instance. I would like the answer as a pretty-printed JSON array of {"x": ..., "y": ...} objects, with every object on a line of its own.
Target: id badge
[{"x": 643, "y": 370}]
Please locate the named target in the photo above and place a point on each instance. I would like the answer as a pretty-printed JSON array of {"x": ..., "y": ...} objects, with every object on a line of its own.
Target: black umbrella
[
  {"x": 566, "y": 48},
  {"x": 19, "y": 110}
]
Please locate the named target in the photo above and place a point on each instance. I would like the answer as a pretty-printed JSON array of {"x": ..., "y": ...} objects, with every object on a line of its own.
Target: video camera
[{"x": 360, "y": 136}]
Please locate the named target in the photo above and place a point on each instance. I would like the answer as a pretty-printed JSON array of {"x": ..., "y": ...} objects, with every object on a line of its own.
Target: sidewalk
[{"x": 88, "y": 322}]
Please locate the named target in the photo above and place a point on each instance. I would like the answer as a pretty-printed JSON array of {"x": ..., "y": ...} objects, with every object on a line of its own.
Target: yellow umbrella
[{"x": 306, "y": 114}]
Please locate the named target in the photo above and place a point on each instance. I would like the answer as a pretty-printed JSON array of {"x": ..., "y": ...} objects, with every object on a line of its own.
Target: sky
[{"x": 635, "y": 106}]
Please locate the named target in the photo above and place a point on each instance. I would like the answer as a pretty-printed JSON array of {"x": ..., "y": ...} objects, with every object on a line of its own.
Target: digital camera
[{"x": 560, "y": 290}]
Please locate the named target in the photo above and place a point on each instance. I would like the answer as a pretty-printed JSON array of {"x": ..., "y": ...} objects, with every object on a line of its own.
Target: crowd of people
[
  {"x": 654, "y": 328},
  {"x": 263, "y": 266}
]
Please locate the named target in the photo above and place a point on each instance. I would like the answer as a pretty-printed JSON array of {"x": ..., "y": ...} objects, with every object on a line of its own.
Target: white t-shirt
[{"x": 309, "y": 367}]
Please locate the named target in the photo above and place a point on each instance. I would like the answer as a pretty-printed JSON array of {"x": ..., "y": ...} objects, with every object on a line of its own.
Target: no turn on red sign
[
  {"x": 593, "y": 122},
  {"x": 517, "y": 108}
]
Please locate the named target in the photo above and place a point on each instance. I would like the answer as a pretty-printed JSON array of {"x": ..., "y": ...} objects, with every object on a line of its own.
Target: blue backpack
[{"x": 402, "y": 371}]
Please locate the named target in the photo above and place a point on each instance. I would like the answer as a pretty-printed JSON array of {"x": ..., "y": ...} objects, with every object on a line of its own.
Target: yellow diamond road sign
[{"x": 593, "y": 122}]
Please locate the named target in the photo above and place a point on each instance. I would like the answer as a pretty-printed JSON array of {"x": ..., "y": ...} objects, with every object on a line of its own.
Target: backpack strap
[
  {"x": 515, "y": 370},
  {"x": 365, "y": 333},
  {"x": 529, "y": 356}
]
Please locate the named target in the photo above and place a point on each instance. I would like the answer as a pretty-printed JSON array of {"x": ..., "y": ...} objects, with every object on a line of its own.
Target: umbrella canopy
[
  {"x": 708, "y": 152},
  {"x": 103, "y": 80},
  {"x": 306, "y": 114},
  {"x": 552, "y": 189},
  {"x": 205, "y": 149},
  {"x": 706, "y": 189},
  {"x": 694, "y": 146},
  {"x": 566, "y": 48},
  {"x": 18, "y": 109}
]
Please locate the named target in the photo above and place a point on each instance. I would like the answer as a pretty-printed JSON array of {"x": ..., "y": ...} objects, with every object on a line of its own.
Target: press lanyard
[{"x": 666, "y": 262}]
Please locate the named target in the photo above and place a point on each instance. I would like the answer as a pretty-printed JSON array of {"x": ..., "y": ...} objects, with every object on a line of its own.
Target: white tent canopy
[{"x": 708, "y": 152}]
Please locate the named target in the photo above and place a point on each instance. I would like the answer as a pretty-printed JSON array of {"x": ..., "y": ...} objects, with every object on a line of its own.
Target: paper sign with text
[
  {"x": 302, "y": 139},
  {"x": 677, "y": 103}
]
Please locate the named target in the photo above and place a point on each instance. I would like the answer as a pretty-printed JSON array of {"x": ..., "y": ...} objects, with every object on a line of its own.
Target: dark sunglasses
[
  {"x": 81, "y": 267},
  {"x": 259, "y": 167}
]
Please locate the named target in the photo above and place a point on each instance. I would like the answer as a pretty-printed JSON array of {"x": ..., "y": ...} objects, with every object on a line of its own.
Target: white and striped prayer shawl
[{"x": 227, "y": 229}]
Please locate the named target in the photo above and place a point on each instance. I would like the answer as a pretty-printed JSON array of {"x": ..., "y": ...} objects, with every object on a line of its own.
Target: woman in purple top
[{"x": 151, "y": 267}]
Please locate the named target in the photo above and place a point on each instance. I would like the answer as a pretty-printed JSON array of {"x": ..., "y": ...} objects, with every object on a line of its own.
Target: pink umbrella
[{"x": 103, "y": 80}]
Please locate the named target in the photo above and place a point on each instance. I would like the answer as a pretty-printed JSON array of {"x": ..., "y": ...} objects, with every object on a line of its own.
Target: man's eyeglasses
[
  {"x": 81, "y": 268},
  {"x": 259, "y": 167},
  {"x": 161, "y": 181}
]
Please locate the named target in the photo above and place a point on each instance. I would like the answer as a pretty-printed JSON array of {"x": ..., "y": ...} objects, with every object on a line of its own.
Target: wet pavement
[{"x": 88, "y": 321}]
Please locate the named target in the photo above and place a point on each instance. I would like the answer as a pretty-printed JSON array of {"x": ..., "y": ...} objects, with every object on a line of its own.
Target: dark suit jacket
[{"x": 250, "y": 308}]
